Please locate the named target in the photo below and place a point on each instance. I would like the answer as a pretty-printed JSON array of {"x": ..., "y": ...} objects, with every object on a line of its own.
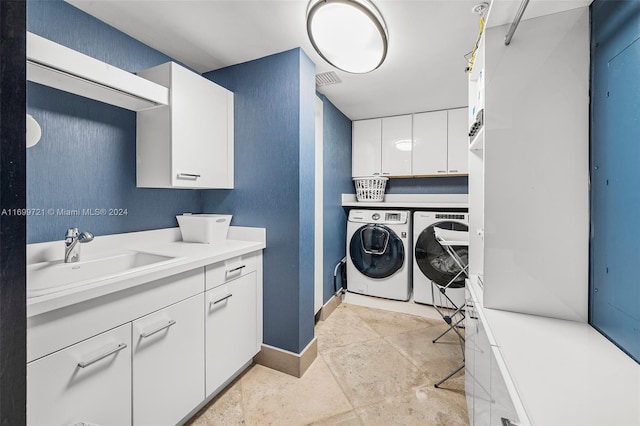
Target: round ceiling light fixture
[{"x": 349, "y": 34}]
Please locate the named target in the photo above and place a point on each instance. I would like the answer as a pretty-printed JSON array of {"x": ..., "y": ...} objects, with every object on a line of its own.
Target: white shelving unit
[
  {"x": 477, "y": 78},
  {"x": 531, "y": 355}
]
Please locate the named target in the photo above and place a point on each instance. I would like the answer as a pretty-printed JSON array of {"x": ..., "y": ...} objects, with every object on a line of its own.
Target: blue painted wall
[
  {"x": 274, "y": 131},
  {"x": 337, "y": 181},
  {"x": 86, "y": 157},
  {"x": 615, "y": 176},
  {"x": 437, "y": 185},
  {"x": 307, "y": 115}
]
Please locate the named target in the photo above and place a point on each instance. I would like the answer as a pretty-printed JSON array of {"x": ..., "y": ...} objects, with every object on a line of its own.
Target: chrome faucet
[{"x": 71, "y": 247}]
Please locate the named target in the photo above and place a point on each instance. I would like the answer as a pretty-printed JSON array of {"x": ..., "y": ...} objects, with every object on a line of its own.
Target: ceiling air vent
[{"x": 327, "y": 78}]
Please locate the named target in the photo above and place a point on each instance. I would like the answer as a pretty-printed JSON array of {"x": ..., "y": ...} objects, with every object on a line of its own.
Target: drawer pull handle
[
  {"x": 188, "y": 176},
  {"x": 83, "y": 364},
  {"x": 222, "y": 299},
  {"x": 236, "y": 269},
  {"x": 157, "y": 330}
]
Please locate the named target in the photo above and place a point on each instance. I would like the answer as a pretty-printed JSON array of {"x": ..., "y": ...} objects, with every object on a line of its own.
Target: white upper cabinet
[
  {"x": 396, "y": 146},
  {"x": 425, "y": 144},
  {"x": 366, "y": 148},
  {"x": 188, "y": 144},
  {"x": 430, "y": 143},
  {"x": 458, "y": 142}
]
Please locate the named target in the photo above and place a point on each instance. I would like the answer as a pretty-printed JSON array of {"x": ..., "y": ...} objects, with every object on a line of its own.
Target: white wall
[{"x": 536, "y": 167}]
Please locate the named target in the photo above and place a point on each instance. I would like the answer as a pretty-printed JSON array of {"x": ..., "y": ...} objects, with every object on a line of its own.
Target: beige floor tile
[
  {"x": 387, "y": 323},
  {"x": 273, "y": 398},
  {"x": 425, "y": 406},
  {"x": 372, "y": 371},
  {"x": 225, "y": 409},
  {"x": 349, "y": 418},
  {"x": 434, "y": 359},
  {"x": 343, "y": 328}
]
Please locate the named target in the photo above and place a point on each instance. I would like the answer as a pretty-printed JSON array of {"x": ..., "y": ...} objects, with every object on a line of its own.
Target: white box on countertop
[{"x": 204, "y": 228}]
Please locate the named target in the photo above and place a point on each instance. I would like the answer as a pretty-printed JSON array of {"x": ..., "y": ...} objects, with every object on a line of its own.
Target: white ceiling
[{"x": 424, "y": 69}]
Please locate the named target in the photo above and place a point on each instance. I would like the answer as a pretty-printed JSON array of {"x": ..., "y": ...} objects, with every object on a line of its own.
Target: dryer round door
[
  {"x": 434, "y": 261},
  {"x": 376, "y": 251}
]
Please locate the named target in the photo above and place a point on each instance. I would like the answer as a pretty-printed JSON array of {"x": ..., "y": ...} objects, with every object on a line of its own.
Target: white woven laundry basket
[{"x": 370, "y": 188}]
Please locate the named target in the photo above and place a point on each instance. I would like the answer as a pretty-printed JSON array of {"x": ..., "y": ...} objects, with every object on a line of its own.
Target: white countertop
[
  {"x": 420, "y": 201},
  {"x": 565, "y": 372},
  {"x": 166, "y": 242}
]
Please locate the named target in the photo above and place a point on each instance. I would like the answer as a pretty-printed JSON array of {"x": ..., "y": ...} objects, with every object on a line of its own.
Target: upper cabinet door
[
  {"x": 365, "y": 153},
  {"x": 458, "y": 161},
  {"x": 188, "y": 144},
  {"x": 199, "y": 130},
  {"x": 396, "y": 146},
  {"x": 430, "y": 143}
]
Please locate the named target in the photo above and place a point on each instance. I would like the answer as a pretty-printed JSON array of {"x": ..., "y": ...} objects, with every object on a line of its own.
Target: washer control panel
[
  {"x": 451, "y": 216},
  {"x": 389, "y": 217}
]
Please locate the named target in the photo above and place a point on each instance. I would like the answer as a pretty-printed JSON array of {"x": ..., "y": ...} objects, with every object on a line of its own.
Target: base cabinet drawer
[
  {"x": 87, "y": 382},
  {"x": 168, "y": 363},
  {"x": 221, "y": 272},
  {"x": 231, "y": 329}
]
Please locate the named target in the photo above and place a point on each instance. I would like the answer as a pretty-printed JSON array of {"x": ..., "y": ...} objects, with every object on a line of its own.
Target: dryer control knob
[{"x": 375, "y": 216}]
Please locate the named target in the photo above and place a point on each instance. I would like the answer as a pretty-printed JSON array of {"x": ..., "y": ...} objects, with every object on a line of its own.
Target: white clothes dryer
[
  {"x": 379, "y": 253},
  {"x": 431, "y": 262}
]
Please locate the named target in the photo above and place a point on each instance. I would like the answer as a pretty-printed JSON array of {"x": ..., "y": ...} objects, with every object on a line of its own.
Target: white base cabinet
[
  {"x": 168, "y": 361},
  {"x": 488, "y": 399},
  {"x": 170, "y": 345},
  {"x": 87, "y": 382},
  {"x": 231, "y": 332}
]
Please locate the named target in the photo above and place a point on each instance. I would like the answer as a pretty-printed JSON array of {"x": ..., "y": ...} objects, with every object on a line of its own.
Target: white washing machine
[
  {"x": 379, "y": 253},
  {"x": 430, "y": 261}
]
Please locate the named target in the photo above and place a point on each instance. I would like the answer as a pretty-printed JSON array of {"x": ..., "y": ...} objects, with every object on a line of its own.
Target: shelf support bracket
[{"x": 516, "y": 21}]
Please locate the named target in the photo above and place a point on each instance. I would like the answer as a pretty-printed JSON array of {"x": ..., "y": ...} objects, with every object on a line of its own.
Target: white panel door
[
  {"x": 168, "y": 363},
  {"x": 430, "y": 143},
  {"x": 470, "y": 333},
  {"x": 231, "y": 329},
  {"x": 501, "y": 403},
  {"x": 318, "y": 280},
  {"x": 87, "y": 382},
  {"x": 366, "y": 146},
  {"x": 396, "y": 145},
  {"x": 458, "y": 141},
  {"x": 482, "y": 374},
  {"x": 200, "y": 131}
]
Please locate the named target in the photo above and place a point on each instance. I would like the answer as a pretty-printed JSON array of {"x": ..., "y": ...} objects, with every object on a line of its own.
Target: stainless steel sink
[{"x": 50, "y": 277}]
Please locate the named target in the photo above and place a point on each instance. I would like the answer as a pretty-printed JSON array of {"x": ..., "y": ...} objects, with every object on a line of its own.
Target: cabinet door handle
[
  {"x": 158, "y": 329},
  {"x": 507, "y": 422},
  {"x": 83, "y": 364},
  {"x": 376, "y": 174},
  {"x": 191, "y": 176},
  {"x": 230, "y": 271},
  {"x": 453, "y": 171},
  {"x": 442, "y": 171},
  {"x": 386, "y": 173},
  {"x": 223, "y": 298}
]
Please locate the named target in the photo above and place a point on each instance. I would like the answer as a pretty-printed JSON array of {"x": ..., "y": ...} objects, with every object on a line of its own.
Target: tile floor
[{"x": 374, "y": 367}]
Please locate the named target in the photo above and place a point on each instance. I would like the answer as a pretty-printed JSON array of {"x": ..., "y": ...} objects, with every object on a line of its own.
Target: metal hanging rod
[{"x": 516, "y": 21}]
